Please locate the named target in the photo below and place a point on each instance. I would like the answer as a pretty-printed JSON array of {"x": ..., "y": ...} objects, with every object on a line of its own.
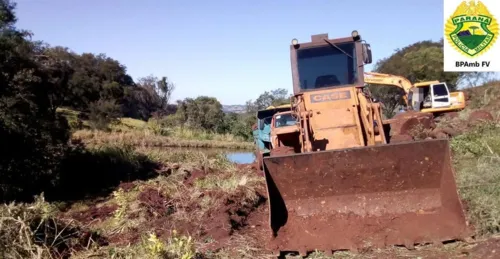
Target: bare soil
[
  {"x": 414, "y": 125},
  {"x": 455, "y": 125},
  {"x": 237, "y": 215},
  {"x": 405, "y": 122},
  {"x": 126, "y": 186},
  {"x": 94, "y": 213},
  {"x": 480, "y": 115},
  {"x": 155, "y": 203}
]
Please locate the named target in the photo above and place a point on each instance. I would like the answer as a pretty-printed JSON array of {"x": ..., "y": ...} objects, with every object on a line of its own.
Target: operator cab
[
  {"x": 329, "y": 63},
  {"x": 284, "y": 119},
  {"x": 425, "y": 95},
  {"x": 285, "y": 130}
]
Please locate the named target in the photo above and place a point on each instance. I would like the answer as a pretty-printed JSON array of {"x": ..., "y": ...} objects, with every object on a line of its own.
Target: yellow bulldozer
[
  {"x": 341, "y": 184},
  {"x": 429, "y": 97}
]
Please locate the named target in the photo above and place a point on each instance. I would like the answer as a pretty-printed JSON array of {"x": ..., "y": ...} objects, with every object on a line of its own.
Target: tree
[
  {"x": 34, "y": 137},
  {"x": 473, "y": 28},
  {"x": 203, "y": 113},
  {"x": 275, "y": 97},
  {"x": 102, "y": 113},
  {"x": 473, "y": 79},
  {"x": 420, "y": 61},
  {"x": 165, "y": 89},
  {"x": 152, "y": 95}
]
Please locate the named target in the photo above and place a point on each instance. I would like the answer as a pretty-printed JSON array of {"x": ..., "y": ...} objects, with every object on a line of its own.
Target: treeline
[
  {"x": 96, "y": 85},
  {"x": 36, "y": 79}
]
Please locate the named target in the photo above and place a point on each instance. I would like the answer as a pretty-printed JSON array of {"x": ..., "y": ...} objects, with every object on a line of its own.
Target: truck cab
[
  {"x": 284, "y": 130},
  {"x": 262, "y": 132}
]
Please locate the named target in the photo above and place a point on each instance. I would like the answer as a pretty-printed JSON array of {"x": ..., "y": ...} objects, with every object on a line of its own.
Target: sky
[{"x": 231, "y": 50}]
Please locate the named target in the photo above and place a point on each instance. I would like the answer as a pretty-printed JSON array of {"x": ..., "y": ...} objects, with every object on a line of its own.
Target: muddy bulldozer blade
[{"x": 395, "y": 194}]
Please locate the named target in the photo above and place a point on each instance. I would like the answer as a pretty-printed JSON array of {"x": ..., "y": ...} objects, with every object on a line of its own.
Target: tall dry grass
[{"x": 145, "y": 138}]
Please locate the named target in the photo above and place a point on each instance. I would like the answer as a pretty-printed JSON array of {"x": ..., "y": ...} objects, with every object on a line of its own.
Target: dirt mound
[
  {"x": 229, "y": 214},
  {"x": 455, "y": 125},
  {"x": 407, "y": 122},
  {"x": 413, "y": 125},
  {"x": 239, "y": 209},
  {"x": 214, "y": 215},
  {"x": 441, "y": 133},
  {"x": 126, "y": 186},
  {"x": 94, "y": 213},
  {"x": 480, "y": 116},
  {"x": 155, "y": 203},
  {"x": 195, "y": 175},
  {"x": 130, "y": 237},
  {"x": 410, "y": 125}
]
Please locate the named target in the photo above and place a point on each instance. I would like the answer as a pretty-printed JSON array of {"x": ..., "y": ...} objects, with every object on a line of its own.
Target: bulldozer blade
[{"x": 394, "y": 194}]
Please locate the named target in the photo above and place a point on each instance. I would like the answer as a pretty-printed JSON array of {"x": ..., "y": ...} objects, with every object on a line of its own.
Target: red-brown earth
[{"x": 234, "y": 215}]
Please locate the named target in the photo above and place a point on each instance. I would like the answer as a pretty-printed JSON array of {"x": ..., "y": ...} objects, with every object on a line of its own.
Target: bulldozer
[
  {"x": 342, "y": 185},
  {"x": 428, "y": 97}
]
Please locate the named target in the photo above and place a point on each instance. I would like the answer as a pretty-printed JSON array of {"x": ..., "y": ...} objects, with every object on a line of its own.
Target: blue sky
[{"x": 233, "y": 50}]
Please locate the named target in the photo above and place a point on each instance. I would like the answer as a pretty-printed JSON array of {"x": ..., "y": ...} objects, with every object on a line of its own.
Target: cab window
[
  {"x": 283, "y": 120},
  {"x": 440, "y": 90}
]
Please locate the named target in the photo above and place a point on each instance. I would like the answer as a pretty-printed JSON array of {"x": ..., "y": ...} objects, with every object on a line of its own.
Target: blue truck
[{"x": 262, "y": 131}]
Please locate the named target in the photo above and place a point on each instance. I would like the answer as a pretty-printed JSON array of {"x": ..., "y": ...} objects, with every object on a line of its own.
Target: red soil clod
[
  {"x": 480, "y": 115},
  {"x": 95, "y": 213},
  {"x": 195, "y": 175},
  {"x": 126, "y": 186},
  {"x": 155, "y": 203}
]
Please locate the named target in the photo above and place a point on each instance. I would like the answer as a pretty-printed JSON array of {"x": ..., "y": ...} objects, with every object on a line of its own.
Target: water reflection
[
  {"x": 241, "y": 157},
  {"x": 234, "y": 155}
]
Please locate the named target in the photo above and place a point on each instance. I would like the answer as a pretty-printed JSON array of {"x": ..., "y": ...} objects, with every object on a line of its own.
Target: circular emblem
[{"x": 471, "y": 29}]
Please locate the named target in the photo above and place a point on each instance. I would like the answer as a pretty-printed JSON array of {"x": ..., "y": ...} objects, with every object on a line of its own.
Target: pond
[
  {"x": 241, "y": 157},
  {"x": 234, "y": 155}
]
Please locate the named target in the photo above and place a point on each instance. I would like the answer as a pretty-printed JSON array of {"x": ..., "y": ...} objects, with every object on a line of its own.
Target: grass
[
  {"x": 476, "y": 158},
  {"x": 477, "y": 162},
  {"x": 485, "y": 97},
  {"x": 145, "y": 138},
  {"x": 150, "y": 134},
  {"x": 130, "y": 214}
]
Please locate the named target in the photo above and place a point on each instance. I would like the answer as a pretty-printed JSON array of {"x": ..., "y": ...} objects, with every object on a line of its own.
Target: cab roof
[{"x": 426, "y": 83}]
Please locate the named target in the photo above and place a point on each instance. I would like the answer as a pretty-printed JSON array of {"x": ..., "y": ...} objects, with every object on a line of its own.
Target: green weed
[{"x": 477, "y": 162}]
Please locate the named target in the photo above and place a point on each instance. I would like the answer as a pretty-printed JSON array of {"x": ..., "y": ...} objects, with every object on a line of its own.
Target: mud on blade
[{"x": 402, "y": 193}]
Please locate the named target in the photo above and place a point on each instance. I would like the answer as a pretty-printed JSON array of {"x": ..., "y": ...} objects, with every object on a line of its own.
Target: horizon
[{"x": 163, "y": 39}]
